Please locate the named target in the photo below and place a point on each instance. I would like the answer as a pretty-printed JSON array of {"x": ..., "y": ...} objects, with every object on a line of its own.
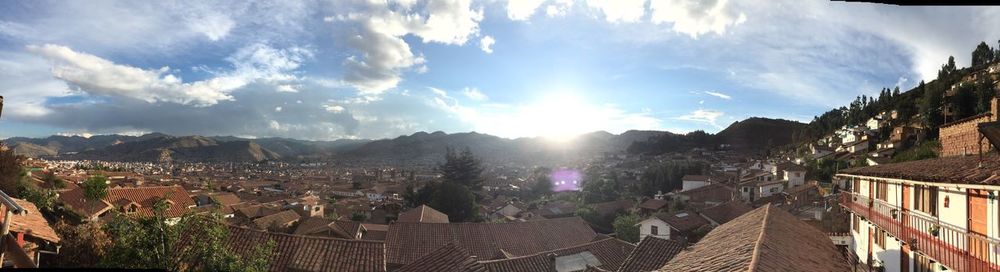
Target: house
[
  {"x": 765, "y": 239},
  {"x": 138, "y": 201},
  {"x": 278, "y": 222},
  {"x": 690, "y": 182},
  {"x": 407, "y": 242},
  {"x": 794, "y": 174},
  {"x": 651, "y": 253},
  {"x": 709, "y": 195},
  {"x": 423, "y": 214},
  {"x": 927, "y": 215},
  {"x": 322, "y": 227},
  {"x": 725, "y": 212},
  {"x": 675, "y": 226},
  {"x": 606, "y": 254},
  {"x": 305, "y": 253},
  {"x": 768, "y": 188},
  {"x": 652, "y": 206},
  {"x": 32, "y": 232}
]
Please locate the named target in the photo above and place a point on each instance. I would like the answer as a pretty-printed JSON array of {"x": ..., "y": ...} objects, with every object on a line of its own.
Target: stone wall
[{"x": 963, "y": 138}]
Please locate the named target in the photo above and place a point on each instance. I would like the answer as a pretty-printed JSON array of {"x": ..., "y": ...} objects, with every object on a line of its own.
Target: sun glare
[{"x": 561, "y": 116}]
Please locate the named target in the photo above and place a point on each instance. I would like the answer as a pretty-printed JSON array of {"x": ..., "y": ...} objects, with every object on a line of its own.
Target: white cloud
[
  {"x": 277, "y": 109},
  {"x": 378, "y": 37},
  {"x": 627, "y": 11},
  {"x": 694, "y": 17},
  {"x": 98, "y": 76},
  {"x": 333, "y": 108},
  {"x": 486, "y": 43},
  {"x": 521, "y": 10},
  {"x": 213, "y": 25},
  {"x": 719, "y": 95},
  {"x": 704, "y": 116},
  {"x": 559, "y": 8},
  {"x": 287, "y": 89},
  {"x": 474, "y": 94}
]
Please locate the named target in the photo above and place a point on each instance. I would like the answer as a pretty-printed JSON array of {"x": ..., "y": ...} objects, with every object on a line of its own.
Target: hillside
[{"x": 752, "y": 135}]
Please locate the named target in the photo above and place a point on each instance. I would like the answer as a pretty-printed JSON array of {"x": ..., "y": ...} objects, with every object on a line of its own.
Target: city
[{"x": 490, "y": 136}]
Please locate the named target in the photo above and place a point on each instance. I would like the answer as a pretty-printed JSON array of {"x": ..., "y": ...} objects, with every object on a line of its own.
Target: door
[
  {"x": 904, "y": 258},
  {"x": 978, "y": 246}
]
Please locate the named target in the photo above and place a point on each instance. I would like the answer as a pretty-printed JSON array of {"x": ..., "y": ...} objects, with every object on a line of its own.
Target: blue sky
[{"x": 370, "y": 69}]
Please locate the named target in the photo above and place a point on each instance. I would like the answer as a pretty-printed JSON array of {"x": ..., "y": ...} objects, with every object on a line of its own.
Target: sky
[{"x": 325, "y": 70}]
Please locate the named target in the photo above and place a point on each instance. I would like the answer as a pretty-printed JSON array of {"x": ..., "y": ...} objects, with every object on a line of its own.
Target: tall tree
[
  {"x": 82, "y": 245},
  {"x": 982, "y": 55},
  {"x": 95, "y": 187},
  {"x": 461, "y": 167},
  {"x": 11, "y": 171},
  {"x": 627, "y": 227},
  {"x": 455, "y": 200}
]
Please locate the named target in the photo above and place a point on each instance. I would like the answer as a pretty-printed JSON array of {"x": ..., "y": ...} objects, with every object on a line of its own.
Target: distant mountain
[
  {"x": 749, "y": 136},
  {"x": 162, "y": 147}
]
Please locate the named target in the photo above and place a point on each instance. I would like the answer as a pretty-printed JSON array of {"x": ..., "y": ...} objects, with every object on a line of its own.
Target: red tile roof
[
  {"x": 423, "y": 214},
  {"x": 726, "y": 212},
  {"x": 282, "y": 218},
  {"x": 710, "y": 193},
  {"x": 304, "y": 253},
  {"x": 147, "y": 197},
  {"x": 407, "y": 242},
  {"x": 611, "y": 252},
  {"x": 766, "y": 239},
  {"x": 651, "y": 254},
  {"x": 75, "y": 200},
  {"x": 962, "y": 169},
  {"x": 449, "y": 257},
  {"x": 654, "y": 204},
  {"x": 32, "y": 223},
  {"x": 683, "y": 221}
]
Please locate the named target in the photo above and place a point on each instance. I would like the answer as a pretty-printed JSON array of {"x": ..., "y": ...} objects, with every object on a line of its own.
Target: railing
[{"x": 953, "y": 247}]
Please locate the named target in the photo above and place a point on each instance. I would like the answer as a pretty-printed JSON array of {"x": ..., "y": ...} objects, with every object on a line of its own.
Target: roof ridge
[
  {"x": 554, "y": 250},
  {"x": 308, "y": 236},
  {"x": 760, "y": 239}
]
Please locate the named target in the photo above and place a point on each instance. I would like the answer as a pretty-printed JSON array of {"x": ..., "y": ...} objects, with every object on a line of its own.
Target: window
[
  {"x": 857, "y": 223},
  {"x": 882, "y": 191},
  {"x": 879, "y": 237},
  {"x": 856, "y": 187},
  {"x": 925, "y": 199},
  {"x": 654, "y": 230}
]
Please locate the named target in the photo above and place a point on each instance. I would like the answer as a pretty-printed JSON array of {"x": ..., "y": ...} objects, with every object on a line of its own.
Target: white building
[{"x": 694, "y": 181}]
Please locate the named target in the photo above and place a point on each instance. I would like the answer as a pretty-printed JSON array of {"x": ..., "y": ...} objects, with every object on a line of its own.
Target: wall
[
  {"x": 689, "y": 185},
  {"x": 663, "y": 229},
  {"x": 962, "y": 138}
]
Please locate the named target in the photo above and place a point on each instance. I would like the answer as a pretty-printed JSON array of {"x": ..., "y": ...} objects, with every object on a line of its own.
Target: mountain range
[{"x": 420, "y": 147}]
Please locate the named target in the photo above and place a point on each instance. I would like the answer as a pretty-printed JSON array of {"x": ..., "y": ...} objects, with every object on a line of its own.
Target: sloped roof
[
  {"x": 961, "y": 169},
  {"x": 726, "y": 212},
  {"x": 32, "y": 223},
  {"x": 654, "y": 204},
  {"x": 305, "y": 253},
  {"x": 682, "y": 221},
  {"x": 611, "y": 252},
  {"x": 611, "y": 207},
  {"x": 226, "y": 199},
  {"x": 407, "y": 242},
  {"x": 651, "y": 254},
  {"x": 423, "y": 214},
  {"x": 695, "y": 178},
  {"x": 282, "y": 218},
  {"x": 147, "y": 197},
  {"x": 449, "y": 257},
  {"x": 765, "y": 239},
  {"x": 75, "y": 200}
]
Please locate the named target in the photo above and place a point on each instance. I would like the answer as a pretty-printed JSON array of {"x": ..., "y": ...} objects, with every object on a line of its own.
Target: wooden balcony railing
[{"x": 952, "y": 246}]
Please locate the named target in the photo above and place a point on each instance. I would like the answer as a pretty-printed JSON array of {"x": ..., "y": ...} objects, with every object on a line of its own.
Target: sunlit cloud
[{"x": 719, "y": 95}]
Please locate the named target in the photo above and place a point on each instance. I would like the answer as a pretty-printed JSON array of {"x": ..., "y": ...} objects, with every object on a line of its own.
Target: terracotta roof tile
[
  {"x": 724, "y": 213},
  {"x": 32, "y": 223},
  {"x": 75, "y": 200},
  {"x": 766, "y": 239},
  {"x": 710, "y": 193},
  {"x": 449, "y": 257},
  {"x": 407, "y": 242},
  {"x": 424, "y": 214},
  {"x": 651, "y": 254},
  {"x": 654, "y": 204},
  {"x": 282, "y": 218},
  {"x": 147, "y": 197},
  {"x": 683, "y": 221},
  {"x": 304, "y": 253},
  {"x": 963, "y": 169},
  {"x": 611, "y": 252}
]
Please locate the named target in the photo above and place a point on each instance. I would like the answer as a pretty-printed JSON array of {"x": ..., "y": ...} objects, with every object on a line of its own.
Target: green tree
[
  {"x": 416, "y": 197},
  {"x": 82, "y": 245},
  {"x": 210, "y": 251},
  {"x": 461, "y": 167},
  {"x": 455, "y": 200},
  {"x": 982, "y": 55},
  {"x": 141, "y": 242},
  {"x": 931, "y": 105},
  {"x": 543, "y": 186},
  {"x": 626, "y": 227},
  {"x": 359, "y": 217},
  {"x": 95, "y": 187},
  {"x": 52, "y": 180},
  {"x": 44, "y": 199}
]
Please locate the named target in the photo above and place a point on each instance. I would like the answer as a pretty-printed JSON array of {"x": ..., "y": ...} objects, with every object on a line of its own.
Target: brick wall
[{"x": 963, "y": 138}]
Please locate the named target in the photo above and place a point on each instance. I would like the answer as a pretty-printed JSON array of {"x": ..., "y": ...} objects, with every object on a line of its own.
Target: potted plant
[
  {"x": 895, "y": 213},
  {"x": 935, "y": 230}
]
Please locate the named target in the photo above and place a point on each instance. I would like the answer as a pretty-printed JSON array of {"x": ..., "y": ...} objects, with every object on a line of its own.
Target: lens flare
[{"x": 566, "y": 180}]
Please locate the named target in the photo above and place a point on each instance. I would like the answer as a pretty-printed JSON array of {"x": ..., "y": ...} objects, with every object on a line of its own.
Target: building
[
  {"x": 651, "y": 253},
  {"x": 929, "y": 215},
  {"x": 690, "y": 182},
  {"x": 423, "y": 214},
  {"x": 765, "y": 239},
  {"x": 673, "y": 226}
]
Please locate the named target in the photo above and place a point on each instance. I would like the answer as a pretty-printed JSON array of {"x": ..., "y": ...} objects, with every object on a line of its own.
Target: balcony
[{"x": 953, "y": 247}]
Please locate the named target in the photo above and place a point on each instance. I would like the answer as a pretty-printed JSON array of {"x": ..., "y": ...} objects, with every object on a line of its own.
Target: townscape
[{"x": 493, "y": 136}]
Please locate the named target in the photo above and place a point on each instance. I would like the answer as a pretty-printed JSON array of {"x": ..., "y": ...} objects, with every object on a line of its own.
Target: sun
[{"x": 560, "y": 116}]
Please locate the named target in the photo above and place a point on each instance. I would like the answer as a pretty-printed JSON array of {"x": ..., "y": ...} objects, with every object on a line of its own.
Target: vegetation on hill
[
  {"x": 751, "y": 135},
  {"x": 461, "y": 175}
]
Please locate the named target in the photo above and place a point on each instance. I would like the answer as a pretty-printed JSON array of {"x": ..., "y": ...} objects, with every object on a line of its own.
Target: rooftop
[
  {"x": 962, "y": 169},
  {"x": 651, "y": 254},
  {"x": 765, "y": 239},
  {"x": 423, "y": 214}
]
